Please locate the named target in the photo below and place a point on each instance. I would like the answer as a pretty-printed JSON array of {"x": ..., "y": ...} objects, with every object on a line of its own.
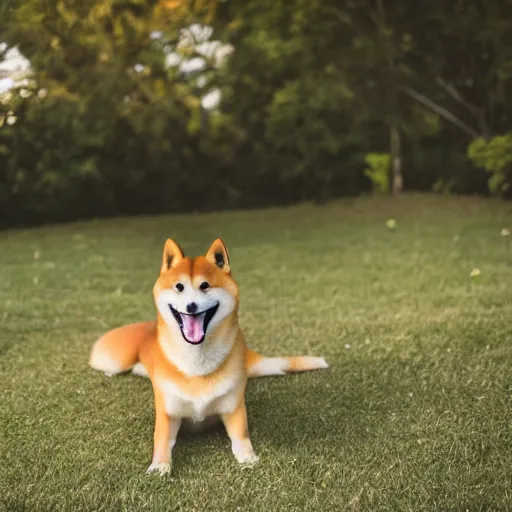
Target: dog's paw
[
  {"x": 243, "y": 452},
  {"x": 162, "y": 469},
  {"x": 248, "y": 460}
]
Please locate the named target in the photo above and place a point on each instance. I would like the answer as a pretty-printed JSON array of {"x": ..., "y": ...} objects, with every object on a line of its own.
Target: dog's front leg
[
  {"x": 238, "y": 432},
  {"x": 164, "y": 439}
]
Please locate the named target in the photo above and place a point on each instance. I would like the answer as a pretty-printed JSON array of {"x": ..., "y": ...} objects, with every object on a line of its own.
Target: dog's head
[{"x": 194, "y": 295}]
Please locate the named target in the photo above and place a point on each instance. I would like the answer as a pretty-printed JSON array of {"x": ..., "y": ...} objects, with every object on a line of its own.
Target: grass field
[{"x": 415, "y": 412}]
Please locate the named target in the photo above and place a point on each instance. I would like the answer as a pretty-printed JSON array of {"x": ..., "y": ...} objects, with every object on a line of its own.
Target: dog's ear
[
  {"x": 172, "y": 255},
  {"x": 219, "y": 256}
]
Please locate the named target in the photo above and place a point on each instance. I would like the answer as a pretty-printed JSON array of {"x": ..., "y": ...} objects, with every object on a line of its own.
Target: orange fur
[
  {"x": 123, "y": 345},
  {"x": 194, "y": 379}
]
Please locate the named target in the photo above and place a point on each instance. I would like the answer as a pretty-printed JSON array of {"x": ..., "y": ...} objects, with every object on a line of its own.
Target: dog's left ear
[{"x": 219, "y": 256}]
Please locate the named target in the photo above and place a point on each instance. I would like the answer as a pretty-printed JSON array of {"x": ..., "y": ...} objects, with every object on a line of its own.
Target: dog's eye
[
  {"x": 204, "y": 285},
  {"x": 179, "y": 287}
]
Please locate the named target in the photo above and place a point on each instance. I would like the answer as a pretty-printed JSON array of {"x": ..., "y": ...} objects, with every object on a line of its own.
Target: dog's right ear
[{"x": 172, "y": 255}]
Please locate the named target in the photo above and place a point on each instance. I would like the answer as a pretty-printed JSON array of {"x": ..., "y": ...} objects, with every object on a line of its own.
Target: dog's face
[{"x": 194, "y": 295}]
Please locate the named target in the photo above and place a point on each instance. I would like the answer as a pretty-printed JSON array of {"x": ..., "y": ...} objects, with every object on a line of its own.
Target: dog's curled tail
[
  {"x": 117, "y": 351},
  {"x": 261, "y": 366}
]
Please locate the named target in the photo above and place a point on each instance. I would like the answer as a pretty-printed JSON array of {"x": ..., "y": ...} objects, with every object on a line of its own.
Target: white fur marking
[
  {"x": 164, "y": 468},
  {"x": 140, "y": 370},
  {"x": 173, "y": 432},
  {"x": 243, "y": 451},
  {"x": 198, "y": 360},
  {"x": 205, "y": 358},
  {"x": 280, "y": 365},
  {"x": 221, "y": 399},
  {"x": 104, "y": 363},
  {"x": 269, "y": 366},
  {"x": 315, "y": 363}
]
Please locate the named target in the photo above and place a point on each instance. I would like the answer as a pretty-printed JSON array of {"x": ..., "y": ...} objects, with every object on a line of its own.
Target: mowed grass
[{"x": 414, "y": 413}]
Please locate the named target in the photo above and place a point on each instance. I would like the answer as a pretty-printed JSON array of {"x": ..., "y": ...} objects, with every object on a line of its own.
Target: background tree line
[{"x": 319, "y": 98}]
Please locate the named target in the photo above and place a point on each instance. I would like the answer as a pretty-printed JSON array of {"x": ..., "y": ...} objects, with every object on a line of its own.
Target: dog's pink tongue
[{"x": 193, "y": 327}]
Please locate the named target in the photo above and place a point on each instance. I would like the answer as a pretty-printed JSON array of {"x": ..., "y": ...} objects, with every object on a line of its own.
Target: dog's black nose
[{"x": 191, "y": 308}]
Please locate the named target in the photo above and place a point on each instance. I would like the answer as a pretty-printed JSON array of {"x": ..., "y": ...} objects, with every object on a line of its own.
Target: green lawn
[{"x": 414, "y": 413}]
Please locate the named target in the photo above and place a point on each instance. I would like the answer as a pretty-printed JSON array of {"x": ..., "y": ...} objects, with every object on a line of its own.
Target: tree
[{"x": 117, "y": 129}]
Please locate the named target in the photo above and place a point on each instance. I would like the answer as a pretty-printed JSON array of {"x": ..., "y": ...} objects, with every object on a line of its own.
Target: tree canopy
[{"x": 119, "y": 114}]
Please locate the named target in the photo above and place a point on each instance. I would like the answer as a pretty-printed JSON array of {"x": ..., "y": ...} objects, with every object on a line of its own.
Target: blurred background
[
  {"x": 131, "y": 109},
  {"x": 127, "y": 107}
]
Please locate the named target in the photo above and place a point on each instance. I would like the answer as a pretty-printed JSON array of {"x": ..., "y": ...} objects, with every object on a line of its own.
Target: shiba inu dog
[{"x": 194, "y": 353}]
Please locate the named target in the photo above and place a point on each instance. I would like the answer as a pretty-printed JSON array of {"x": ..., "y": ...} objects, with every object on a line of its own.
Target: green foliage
[
  {"x": 311, "y": 89},
  {"x": 117, "y": 131},
  {"x": 495, "y": 156},
  {"x": 378, "y": 171},
  {"x": 444, "y": 186},
  {"x": 358, "y": 58}
]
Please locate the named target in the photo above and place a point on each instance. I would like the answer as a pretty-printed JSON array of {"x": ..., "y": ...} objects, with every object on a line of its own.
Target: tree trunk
[{"x": 396, "y": 160}]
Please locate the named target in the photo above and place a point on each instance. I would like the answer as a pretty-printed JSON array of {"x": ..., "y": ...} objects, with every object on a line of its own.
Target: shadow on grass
[
  {"x": 317, "y": 407},
  {"x": 305, "y": 413}
]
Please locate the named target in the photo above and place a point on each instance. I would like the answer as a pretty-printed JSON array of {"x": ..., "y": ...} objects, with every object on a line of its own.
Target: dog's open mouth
[{"x": 193, "y": 327}]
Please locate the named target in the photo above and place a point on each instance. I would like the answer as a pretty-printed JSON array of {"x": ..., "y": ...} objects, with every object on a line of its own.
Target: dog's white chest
[{"x": 219, "y": 398}]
